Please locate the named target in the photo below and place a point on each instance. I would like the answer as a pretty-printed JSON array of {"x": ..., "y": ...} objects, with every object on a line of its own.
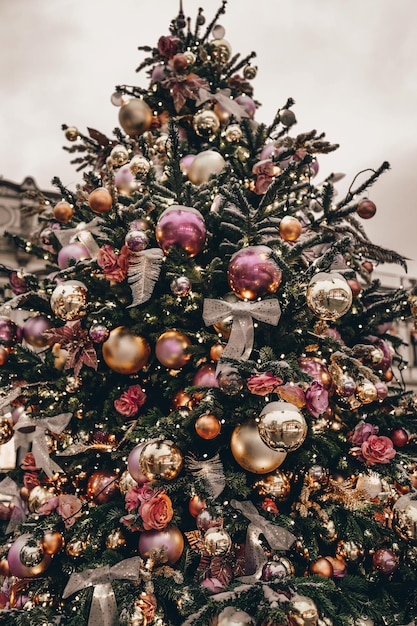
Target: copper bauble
[
  {"x": 171, "y": 349},
  {"x": 52, "y": 542},
  {"x": 321, "y": 567},
  {"x": 196, "y": 505},
  {"x": 6, "y": 430},
  {"x": 303, "y": 611},
  {"x": 251, "y": 453},
  {"x": 182, "y": 400},
  {"x": 125, "y": 352},
  {"x": 4, "y": 568},
  {"x": 204, "y": 165},
  {"x": 217, "y": 541},
  {"x": 233, "y": 133},
  {"x": 135, "y": 117},
  {"x": 100, "y": 200},
  {"x": 290, "y": 228},
  {"x": 366, "y": 209},
  {"x": 207, "y": 426},
  {"x": 160, "y": 460},
  {"x": 329, "y": 296},
  {"x": 355, "y": 286},
  {"x": 69, "y": 300},
  {"x": 282, "y": 426},
  {"x": 216, "y": 351},
  {"x": 169, "y": 540},
  {"x": 63, "y": 211},
  {"x": 339, "y": 566},
  {"x": 276, "y": 486},
  {"x": 102, "y": 486},
  {"x": 39, "y": 495},
  {"x": 115, "y": 539},
  {"x": 4, "y": 354}
]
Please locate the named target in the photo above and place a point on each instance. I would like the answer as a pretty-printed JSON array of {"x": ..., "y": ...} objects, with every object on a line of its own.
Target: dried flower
[
  {"x": 263, "y": 384},
  {"x": 130, "y": 401}
]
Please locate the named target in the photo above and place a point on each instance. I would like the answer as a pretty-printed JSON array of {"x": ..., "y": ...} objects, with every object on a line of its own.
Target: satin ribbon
[
  {"x": 223, "y": 98},
  {"x": 83, "y": 232},
  {"x": 19, "y": 513},
  {"x": 241, "y": 338},
  {"x": 103, "y": 610},
  {"x": 277, "y": 537},
  {"x": 29, "y": 431}
]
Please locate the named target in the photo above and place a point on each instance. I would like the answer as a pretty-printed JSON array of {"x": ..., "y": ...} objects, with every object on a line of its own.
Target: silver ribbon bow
[
  {"x": 19, "y": 513},
  {"x": 103, "y": 610},
  {"x": 223, "y": 97},
  {"x": 83, "y": 232},
  {"x": 277, "y": 537},
  {"x": 241, "y": 338},
  {"x": 29, "y": 431}
]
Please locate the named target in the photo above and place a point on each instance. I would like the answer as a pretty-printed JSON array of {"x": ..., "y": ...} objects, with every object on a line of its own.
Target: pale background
[{"x": 350, "y": 65}]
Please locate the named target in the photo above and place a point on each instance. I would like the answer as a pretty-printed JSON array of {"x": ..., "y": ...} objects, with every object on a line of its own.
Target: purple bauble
[
  {"x": 133, "y": 464},
  {"x": 183, "y": 227},
  {"x": 98, "y": 333},
  {"x": 170, "y": 538},
  {"x": 136, "y": 240},
  {"x": 186, "y": 161},
  {"x": 247, "y": 103},
  {"x": 381, "y": 390},
  {"x": 75, "y": 251},
  {"x": 252, "y": 273},
  {"x": 33, "y": 330},
  {"x": 124, "y": 180},
  {"x": 206, "y": 376},
  {"x": 158, "y": 73},
  {"x": 36, "y": 555},
  {"x": 10, "y": 333}
]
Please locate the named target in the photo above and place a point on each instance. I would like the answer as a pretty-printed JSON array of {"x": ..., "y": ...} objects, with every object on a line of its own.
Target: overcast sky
[{"x": 350, "y": 65}]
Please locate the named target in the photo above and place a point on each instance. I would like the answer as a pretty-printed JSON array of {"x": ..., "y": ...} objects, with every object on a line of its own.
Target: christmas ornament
[
  {"x": 316, "y": 477},
  {"x": 206, "y": 124},
  {"x": 102, "y": 486},
  {"x": 125, "y": 352},
  {"x": 216, "y": 351},
  {"x": 251, "y": 453},
  {"x": 329, "y": 296},
  {"x": 205, "y": 376},
  {"x": 100, "y": 201},
  {"x": 321, "y": 567},
  {"x": 183, "y": 227},
  {"x": 126, "y": 480},
  {"x": 229, "y": 380},
  {"x": 385, "y": 560},
  {"x": 207, "y": 426},
  {"x": 366, "y": 209},
  {"x": 182, "y": 401},
  {"x": 208, "y": 518},
  {"x": 71, "y": 133},
  {"x": 6, "y": 430},
  {"x": 115, "y": 540},
  {"x": 252, "y": 273},
  {"x": 370, "y": 484},
  {"x": 355, "y": 287},
  {"x": 40, "y": 495},
  {"x": 303, "y": 611},
  {"x": 69, "y": 300},
  {"x": 250, "y": 72},
  {"x": 136, "y": 240},
  {"x": 10, "y": 333},
  {"x": 277, "y": 569},
  {"x": 276, "y": 486},
  {"x": 63, "y": 211},
  {"x": 4, "y": 354},
  {"x": 139, "y": 165},
  {"x": 366, "y": 391},
  {"x": 133, "y": 465},
  {"x": 217, "y": 541},
  {"x": 405, "y": 517},
  {"x": 282, "y": 426},
  {"x": 171, "y": 349},
  {"x": 230, "y": 616},
  {"x": 287, "y": 117},
  {"x": 170, "y": 541},
  {"x": 33, "y": 329},
  {"x": 98, "y": 333},
  {"x": 399, "y": 437},
  {"x": 247, "y": 104},
  {"x": 52, "y": 542},
  {"x": 71, "y": 253},
  {"x": 75, "y": 548},
  {"x": 339, "y": 566},
  {"x": 221, "y": 50},
  {"x": 180, "y": 286},
  {"x": 317, "y": 369},
  {"x": 26, "y": 557},
  {"x": 119, "y": 155},
  {"x": 204, "y": 165},
  {"x": 290, "y": 228},
  {"x": 137, "y": 617},
  {"x": 233, "y": 133},
  {"x": 350, "y": 551},
  {"x": 135, "y": 117},
  {"x": 196, "y": 505},
  {"x": 160, "y": 460}
]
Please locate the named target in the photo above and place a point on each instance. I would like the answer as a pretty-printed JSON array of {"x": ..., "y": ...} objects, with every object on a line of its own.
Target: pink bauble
[
  {"x": 170, "y": 538},
  {"x": 33, "y": 330},
  {"x": 75, "y": 251},
  {"x": 19, "y": 550},
  {"x": 133, "y": 464},
  {"x": 186, "y": 161},
  {"x": 206, "y": 376},
  {"x": 124, "y": 180},
  {"x": 136, "y": 240},
  {"x": 98, "y": 333},
  {"x": 399, "y": 437},
  {"x": 171, "y": 349},
  {"x": 253, "y": 273},
  {"x": 10, "y": 333},
  {"x": 182, "y": 227},
  {"x": 385, "y": 560},
  {"x": 247, "y": 103}
]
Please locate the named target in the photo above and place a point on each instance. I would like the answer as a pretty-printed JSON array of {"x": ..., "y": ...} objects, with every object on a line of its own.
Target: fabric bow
[
  {"x": 29, "y": 431},
  {"x": 223, "y": 97},
  {"x": 9, "y": 488},
  {"x": 277, "y": 537},
  {"x": 103, "y": 610},
  {"x": 83, "y": 232},
  {"x": 241, "y": 338}
]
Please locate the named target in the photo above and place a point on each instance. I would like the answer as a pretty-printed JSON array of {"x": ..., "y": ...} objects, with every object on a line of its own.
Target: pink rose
[
  {"x": 130, "y": 522},
  {"x": 31, "y": 480},
  {"x": 213, "y": 585},
  {"x": 157, "y": 512},
  {"x": 317, "y": 398},
  {"x": 130, "y": 401},
  {"x": 263, "y": 384},
  {"x": 28, "y": 463},
  {"x": 132, "y": 499},
  {"x": 377, "y": 450},
  {"x": 146, "y": 492},
  {"x": 362, "y": 432},
  {"x": 265, "y": 171},
  {"x": 109, "y": 261},
  {"x": 49, "y": 506},
  {"x": 69, "y": 508},
  {"x": 168, "y": 46}
]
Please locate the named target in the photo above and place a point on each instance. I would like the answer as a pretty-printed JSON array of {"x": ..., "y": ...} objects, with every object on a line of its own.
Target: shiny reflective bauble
[
  {"x": 205, "y": 376},
  {"x": 115, "y": 539},
  {"x": 370, "y": 484},
  {"x": 139, "y": 165},
  {"x": 4, "y": 354},
  {"x": 100, "y": 201},
  {"x": 206, "y": 124},
  {"x": 233, "y": 133},
  {"x": 98, "y": 333},
  {"x": 26, "y": 557},
  {"x": 182, "y": 227},
  {"x": 282, "y": 426},
  {"x": 33, "y": 330},
  {"x": 171, "y": 349},
  {"x": 253, "y": 273},
  {"x": 180, "y": 286},
  {"x": 321, "y": 567},
  {"x": 133, "y": 465},
  {"x": 221, "y": 50},
  {"x": 279, "y": 568},
  {"x": 316, "y": 476},
  {"x": 405, "y": 518},
  {"x": 10, "y": 333},
  {"x": 276, "y": 486},
  {"x": 135, "y": 117},
  {"x": 119, "y": 155},
  {"x": 136, "y": 240},
  {"x": 287, "y": 117},
  {"x": 52, "y": 542},
  {"x": 207, "y": 426},
  {"x": 317, "y": 369},
  {"x": 303, "y": 611},
  {"x": 196, "y": 505},
  {"x": 39, "y": 496},
  {"x": 329, "y": 296},
  {"x": 69, "y": 300},
  {"x": 126, "y": 480},
  {"x": 102, "y": 486},
  {"x": 208, "y": 518},
  {"x": 160, "y": 460},
  {"x": 71, "y": 133},
  {"x": 63, "y": 211},
  {"x": 216, "y": 351},
  {"x": 385, "y": 561},
  {"x": 230, "y": 381},
  {"x": 204, "y": 165},
  {"x": 71, "y": 253},
  {"x": 249, "y": 72},
  {"x": 251, "y": 453},
  {"x": 231, "y": 616},
  {"x": 182, "y": 400},
  {"x": 169, "y": 540},
  {"x": 217, "y": 541},
  {"x": 366, "y": 392},
  {"x": 366, "y": 209},
  {"x": 290, "y": 228},
  {"x": 6, "y": 430},
  {"x": 125, "y": 352},
  {"x": 75, "y": 548},
  {"x": 349, "y": 550}
]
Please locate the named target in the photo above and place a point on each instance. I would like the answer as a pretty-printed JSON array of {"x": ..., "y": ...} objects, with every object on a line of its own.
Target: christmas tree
[{"x": 203, "y": 388}]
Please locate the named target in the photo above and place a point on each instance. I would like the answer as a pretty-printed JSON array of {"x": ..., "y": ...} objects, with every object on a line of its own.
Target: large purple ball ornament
[
  {"x": 75, "y": 251},
  {"x": 183, "y": 227},
  {"x": 253, "y": 273}
]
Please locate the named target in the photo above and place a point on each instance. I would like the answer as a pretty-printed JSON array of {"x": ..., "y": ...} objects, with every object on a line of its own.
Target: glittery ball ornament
[
  {"x": 98, "y": 333},
  {"x": 276, "y": 485},
  {"x": 125, "y": 352},
  {"x": 303, "y": 611},
  {"x": 329, "y": 296},
  {"x": 282, "y": 426},
  {"x": 385, "y": 560},
  {"x": 204, "y": 165},
  {"x": 6, "y": 430},
  {"x": 253, "y": 273},
  {"x": 160, "y": 460},
  {"x": 69, "y": 300},
  {"x": 251, "y": 453},
  {"x": 10, "y": 332},
  {"x": 171, "y": 349},
  {"x": 135, "y": 117},
  {"x": 182, "y": 227}
]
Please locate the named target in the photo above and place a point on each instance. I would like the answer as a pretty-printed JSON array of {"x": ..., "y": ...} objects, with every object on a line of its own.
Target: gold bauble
[
  {"x": 329, "y": 296},
  {"x": 171, "y": 349},
  {"x": 6, "y": 430},
  {"x": 206, "y": 124},
  {"x": 216, "y": 351},
  {"x": 76, "y": 547},
  {"x": 39, "y": 496},
  {"x": 63, "y": 211},
  {"x": 405, "y": 518},
  {"x": 224, "y": 326},
  {"x": 115, "y": 539},
  {"x": 135, "y": 117},
  {"x": 69, "y": 300},
  {"x": 26, "y": 557},
  {"x": 233, "y": 133},
  {"x": 251, "y": 453},
  {"x": 125, "y": 352},
  {"x": 126, "y": 482},
  {"x": 52, "y": 542},
  {"x": 221, "y": 51},
  {"x": 366, "y": 392},
  {"x": 139, "y": 165},
  {"x": 207, "y": 426},
  {"x": 276, "y": 486},
  {"x": 290, "y": 228},
  {"x": 282, "y": 426},
  {"x": 303, "y": 611},
  {"x": 350, "y": 551},
  {"x": 71, "y": 133},
  {"x": 182, "y": 401},
  {"x": 100, "y": 201},
  {"x": 160, "y": 460},
  {"x": 204, "y": 165},
  {"x": 217, "y": 541},
  {"x": 119, "y": 155}
]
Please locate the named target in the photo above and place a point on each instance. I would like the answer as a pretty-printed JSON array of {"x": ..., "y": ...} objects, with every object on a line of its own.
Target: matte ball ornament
[
  {"x": 100, "y": 201},
  {"x": 205, "y": 376},
  {"x": 303, "y": 611},
  {"x": 40, "y": 495},
  {"x": 33, "y": 330},
  {"x": 276, "y": 486},
  {"x": 102, "y": 486},
  {"x": 180, "y": 286},
  {"x": 63, "y": 212},
  {"x": 247, "y": 103},
  {"x": 133, "y": 464},
  {"x": 366, "y": 209},
  {"x": 136, "y": 240},
  {"x": 217, "y": 541},
  {"x": 329, "y": 296},
  {"x": 72, "y": 252},
  {"x": 290, "y": 228},
  {"x": 207, "y": 426},
  {"x": 171, "y": 349},
  {"x": 206, "y": 124},
  {"x": 26, "y": 557},
  {"x": 98, "y": 333},
  {"x": 355, "y": 287},
  {"x": 6, "y": 430},
  {"x": 251, "y": 453},
  {"x": 182, "y": 227},
  {"x": 69, "y": 300},
  {"x": 161, "y": 460},
  {"x": 196, "y": 505},
  {"x": 321, "y": 567},
  {"x": 52, "y": 542},
  {"x": 124, "y": 352},
  {"x": 282, "y": 426},
  {"x": 277, "y": 569},
  {"x": 339, "y": 566},
  {"x": 204, "y": 165},
  {"x": 125, "y": 181},
  {"x": 385, "y": 561},
  {"x": 135, "y": 117},
  {"x": 253, "y": 273},
  {"x": 287, "y": 117},
  {"x": 10, "y": 333},
  {"x": 170, "y": 540}
]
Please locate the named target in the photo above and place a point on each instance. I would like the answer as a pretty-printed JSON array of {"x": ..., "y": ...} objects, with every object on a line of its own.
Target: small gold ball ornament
[
  {"x": 207, "y": 426},
  {"x": 251, "y": 453},
  {"x": 303, "y": 611},
  {"x": 100, "y": 201},
  {"x": 39, "y": 496},
  {"x": 276, "y": 485},
  {"x": 204, "y": 165},
  {"x": 69, "y": 300},
  {"x": 160, "y": 460},
  {"x": 139, "y": 165},
  {"x": 171, "y": 349},
  {"x": 233, "y": 133},
  {"x": 329, "y": 296},
  {"x": 6, "y": 430},
  {"x": 217, "y": 541},
  {"x": 63, "y": 211},
  {"x": 125, "y": 352},
  {"x": 135, "y": 117},
  {"x": 119, "y": 155},
  {"x": 52, "y": 542},
  {"x": 71, "y": 133},
  {"x": 206, "y": 124}
]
